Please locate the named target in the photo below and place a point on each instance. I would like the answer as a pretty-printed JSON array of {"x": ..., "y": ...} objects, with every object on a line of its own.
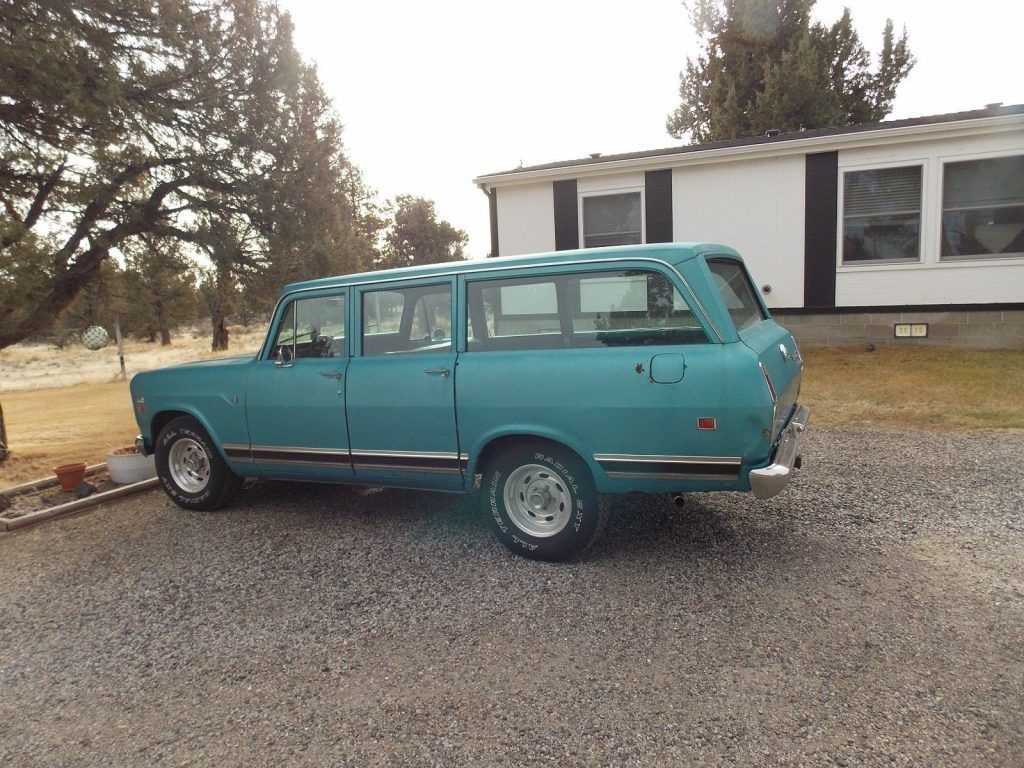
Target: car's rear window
[{"x": 733, "y": 284}]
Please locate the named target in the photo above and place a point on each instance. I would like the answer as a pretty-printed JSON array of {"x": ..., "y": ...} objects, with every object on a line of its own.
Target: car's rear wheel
[
  {"x": 191, "y": 469},
  {"x": 541, "y": 501}
]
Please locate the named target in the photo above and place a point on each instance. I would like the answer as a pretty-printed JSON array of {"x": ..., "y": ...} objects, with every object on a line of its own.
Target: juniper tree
[
  {"x": 415, "y": 235},
  {"x": 194, "y": 120},
  {"x": 763, "y": 64}
]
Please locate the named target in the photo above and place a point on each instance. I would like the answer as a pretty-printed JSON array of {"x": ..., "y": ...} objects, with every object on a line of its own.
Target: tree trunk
[
  {"x": 220, "y": 329},
  {"x": 161, "y": 322}
]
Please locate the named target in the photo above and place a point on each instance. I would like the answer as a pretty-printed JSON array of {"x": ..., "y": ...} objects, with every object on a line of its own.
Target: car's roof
[{"x": 669, "y": 253}]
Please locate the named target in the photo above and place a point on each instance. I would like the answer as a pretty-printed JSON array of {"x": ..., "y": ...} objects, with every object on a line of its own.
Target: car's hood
[{"x": 233, "y": 360}]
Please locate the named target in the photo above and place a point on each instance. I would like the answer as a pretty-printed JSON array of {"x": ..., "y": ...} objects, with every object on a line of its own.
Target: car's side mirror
[{"x": 285, "y": 354}]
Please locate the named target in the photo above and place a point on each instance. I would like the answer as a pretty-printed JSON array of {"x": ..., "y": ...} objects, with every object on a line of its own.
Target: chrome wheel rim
[
  {"x": 537, "y": 502},
  {"x": 189, "y": 465}
]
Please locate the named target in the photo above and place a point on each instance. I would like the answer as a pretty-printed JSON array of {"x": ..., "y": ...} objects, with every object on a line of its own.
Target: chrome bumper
[{"x": 766, "y": 482}]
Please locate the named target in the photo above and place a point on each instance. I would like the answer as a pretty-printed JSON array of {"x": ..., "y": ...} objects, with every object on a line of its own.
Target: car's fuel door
[{"x": 667, "y": 368}]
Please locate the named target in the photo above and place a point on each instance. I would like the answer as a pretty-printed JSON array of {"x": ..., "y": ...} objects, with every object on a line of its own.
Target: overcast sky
[{"x": 435, "y": 92}]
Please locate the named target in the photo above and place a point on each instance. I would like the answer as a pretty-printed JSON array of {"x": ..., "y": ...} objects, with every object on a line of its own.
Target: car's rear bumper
[{"x": 770, "y": 480}]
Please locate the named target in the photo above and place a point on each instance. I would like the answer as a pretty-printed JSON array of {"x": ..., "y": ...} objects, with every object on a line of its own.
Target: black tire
[
  {"x": 191, "y": 469},
  {"x": 565, "y": 515}
]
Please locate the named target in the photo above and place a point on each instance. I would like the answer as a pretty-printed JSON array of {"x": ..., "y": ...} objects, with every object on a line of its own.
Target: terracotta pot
[{"x": 70, "y": 475}]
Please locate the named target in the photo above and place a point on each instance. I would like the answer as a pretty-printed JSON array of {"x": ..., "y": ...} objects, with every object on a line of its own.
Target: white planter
[{"x": 130, "y": 468}]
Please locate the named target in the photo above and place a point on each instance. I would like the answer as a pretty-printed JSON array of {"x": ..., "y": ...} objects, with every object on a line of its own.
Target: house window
[
  {"x": 612, "y": 219},
  {"x": 882, "y": 215},
  {"x": 983, "y": 208}
]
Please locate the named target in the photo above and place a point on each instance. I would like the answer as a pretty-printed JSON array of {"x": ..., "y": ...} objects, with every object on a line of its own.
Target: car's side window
[
  {"x": 628, "y": 308},
  {"x": 590, "y": 309},
  {"x": 407, "y": 320},
  {"x": 313, "y": 327},
  {"x": 518, "y": 314},
  {"x": 382, "y": 313},
  {"x": 733, "y": 285},
  {"x": 285, "y": 336}
]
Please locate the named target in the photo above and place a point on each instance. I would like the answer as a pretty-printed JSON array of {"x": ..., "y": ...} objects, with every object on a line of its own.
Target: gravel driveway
[{"x": 872, "y": 614}]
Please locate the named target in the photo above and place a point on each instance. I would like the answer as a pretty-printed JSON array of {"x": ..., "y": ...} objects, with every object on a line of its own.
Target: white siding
[
  {"x": 754, "y": 202},
  {"x": 930, "y": 281},
  {"x": 526, "y": 219},
  {"x": 590, "y": 184},
  {"x": 755, "y": 206},
  {"x": 986, "y": 282}
]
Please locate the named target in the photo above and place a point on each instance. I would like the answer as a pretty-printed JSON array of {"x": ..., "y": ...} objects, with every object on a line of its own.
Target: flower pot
[
  {"x": 126, "y": 465},
  {"x": 70, "y": 475}
]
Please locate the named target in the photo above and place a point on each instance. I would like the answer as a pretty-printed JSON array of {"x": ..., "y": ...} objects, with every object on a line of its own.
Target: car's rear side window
[
  {"x": 407, "y": 320},
  {"x": 590, "y": 309},
  {"x": 733, "y": 285}
]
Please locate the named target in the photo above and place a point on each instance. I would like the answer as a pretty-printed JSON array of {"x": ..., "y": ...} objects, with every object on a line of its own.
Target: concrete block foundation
[{"x": 967, "y": 329}]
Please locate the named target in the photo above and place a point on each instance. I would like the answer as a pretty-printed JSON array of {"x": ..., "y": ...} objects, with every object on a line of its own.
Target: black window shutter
[
  {"x": 821, "y": 218},
  {"x": 658, "y": 195},
  {"x": 567, "y": 218},
  {"x": 492, "y": 204}
]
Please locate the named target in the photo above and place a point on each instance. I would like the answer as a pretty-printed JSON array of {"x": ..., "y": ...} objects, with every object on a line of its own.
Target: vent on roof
[
  {"x": 772, "y": 132},
  {"x": 594, "y": 155},
  {"x": 994, "y": 105}
]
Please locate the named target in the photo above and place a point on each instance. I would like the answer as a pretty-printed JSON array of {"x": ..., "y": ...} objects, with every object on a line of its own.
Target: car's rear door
[
  {"x": 610, "y": 361},
  {"x": 400, "y": 392}
]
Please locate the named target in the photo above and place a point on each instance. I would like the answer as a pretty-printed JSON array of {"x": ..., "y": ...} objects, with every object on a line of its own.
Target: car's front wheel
[
  {"x": 541, "y": 501},
  {"x": 190, "y": 467}
]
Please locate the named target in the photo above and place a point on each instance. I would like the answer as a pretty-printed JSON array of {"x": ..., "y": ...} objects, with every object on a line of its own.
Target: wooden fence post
[
  {"x": 4, "y": 450},
  {"x": 120, "y": 345}
]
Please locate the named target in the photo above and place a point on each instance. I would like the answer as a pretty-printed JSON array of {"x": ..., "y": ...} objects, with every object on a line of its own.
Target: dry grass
[
  {"x": 941, "y": 389},
  {"x": 938, "y": 389},
  {"x": 34, "y": 366}
]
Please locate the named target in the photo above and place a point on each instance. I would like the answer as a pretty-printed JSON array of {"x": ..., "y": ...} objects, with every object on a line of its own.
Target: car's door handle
[
  {"x": 331, "y": 374},
  {"x": 444, "y": 373}
]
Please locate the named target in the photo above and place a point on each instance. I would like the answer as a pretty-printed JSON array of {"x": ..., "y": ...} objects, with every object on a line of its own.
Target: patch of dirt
[
  {"x": 69, "y": 405},
  {"x": 50, "y": 427}
]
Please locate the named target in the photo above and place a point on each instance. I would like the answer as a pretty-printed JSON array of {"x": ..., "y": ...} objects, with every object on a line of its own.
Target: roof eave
[{"x": 782, "y": 147}]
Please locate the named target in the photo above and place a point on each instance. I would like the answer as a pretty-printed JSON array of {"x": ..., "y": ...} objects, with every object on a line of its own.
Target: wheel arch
[
  {"x": 162, "y": 418},
  {"x": 492, "y": 445}
]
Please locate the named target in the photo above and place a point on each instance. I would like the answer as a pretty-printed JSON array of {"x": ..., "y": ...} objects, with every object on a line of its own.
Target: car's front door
[
  {"x": 400, "y": 389},
  {"x": 295, "y": 395}
]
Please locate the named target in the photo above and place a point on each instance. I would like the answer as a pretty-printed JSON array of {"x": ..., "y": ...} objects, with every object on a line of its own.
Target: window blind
[
  {"x": 993, "y": 182},
  {"x": 882, "y": 191}
]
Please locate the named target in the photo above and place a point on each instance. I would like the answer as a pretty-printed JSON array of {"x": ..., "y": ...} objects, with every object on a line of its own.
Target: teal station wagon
[{"x": 536, "y": 382}]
